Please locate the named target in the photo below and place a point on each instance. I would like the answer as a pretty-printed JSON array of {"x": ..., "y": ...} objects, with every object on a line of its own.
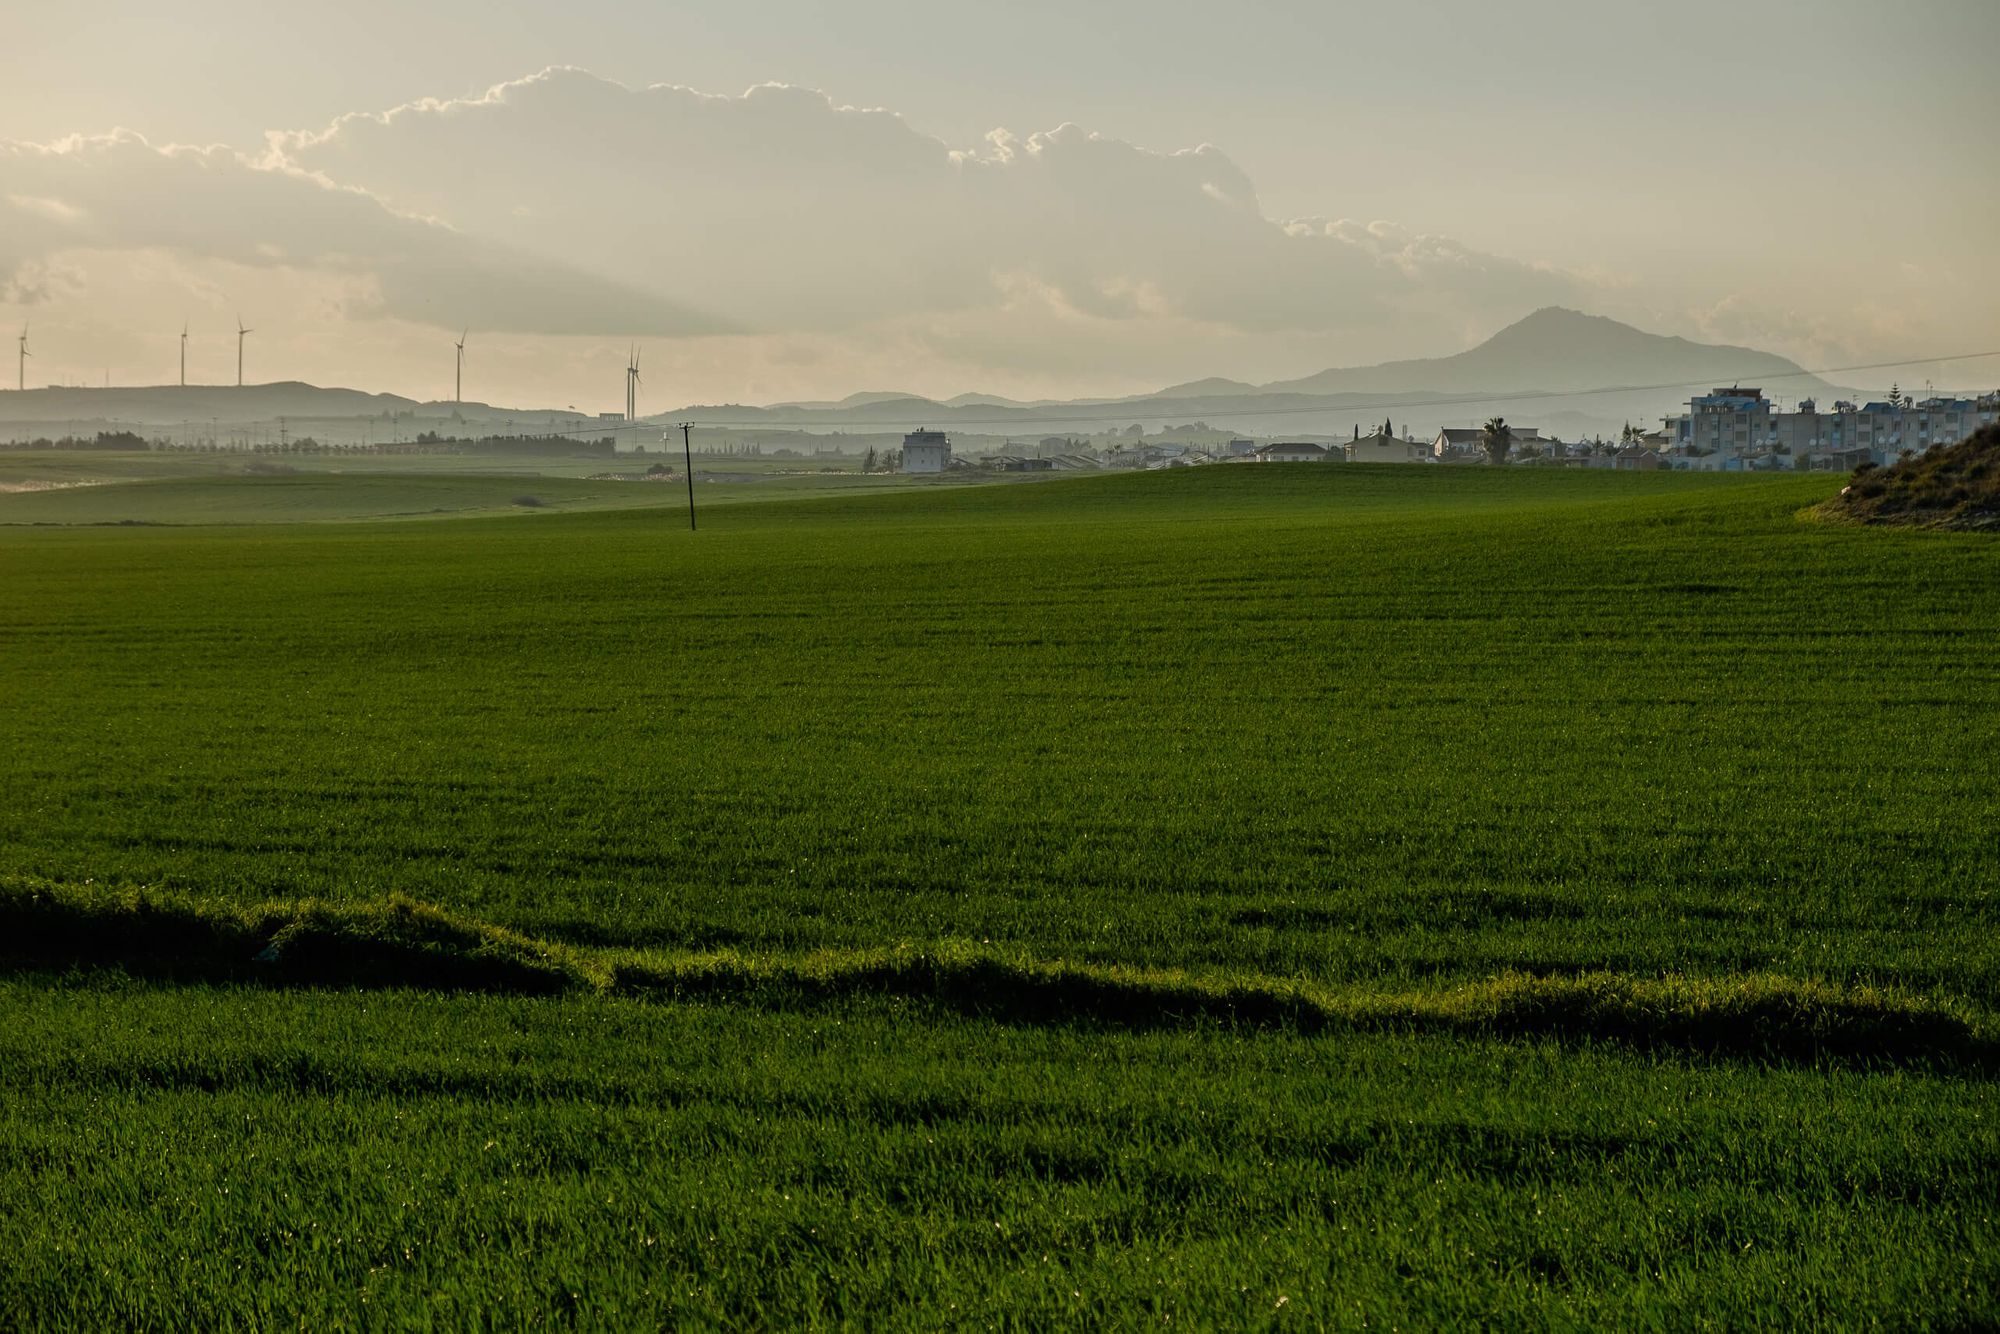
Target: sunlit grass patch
[{"x": 401, "y": 943}]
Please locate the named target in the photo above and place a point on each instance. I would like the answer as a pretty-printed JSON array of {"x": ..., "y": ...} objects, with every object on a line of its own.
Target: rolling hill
[{"x": 1575, "y": 372}]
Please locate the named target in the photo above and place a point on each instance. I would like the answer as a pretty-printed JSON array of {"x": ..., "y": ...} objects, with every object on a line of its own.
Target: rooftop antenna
[
  {"x": 240, "y": 331},
  {"x": 458, "y": 381},
  {"x": 184, "y": 354},
  {"x": 21, "y": 361}
]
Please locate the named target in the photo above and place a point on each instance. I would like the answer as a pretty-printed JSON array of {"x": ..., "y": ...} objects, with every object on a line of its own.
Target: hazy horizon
[{"x": 800, "y": 204}]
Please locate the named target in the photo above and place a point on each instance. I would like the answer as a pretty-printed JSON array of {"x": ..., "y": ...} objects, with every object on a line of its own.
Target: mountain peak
[
  {"x": 1560, "y": 350},
  {"x": 1558, "y": 315},
  {"x": 1560, "y": 322}
]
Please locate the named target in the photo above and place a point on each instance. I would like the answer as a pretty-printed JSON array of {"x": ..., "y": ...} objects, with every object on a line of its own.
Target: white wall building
[
  {"x": 926, "y": 451},
  {"x": 1384, "y": 448},
  {"x": 1292, "y": 453}
]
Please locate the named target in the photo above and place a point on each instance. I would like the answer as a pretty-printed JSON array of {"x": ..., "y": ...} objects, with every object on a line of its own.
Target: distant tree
[
  {"x": 868, "y": 460},
  {"x": 1498, "y": 437},
  {"x": 1896, "y": 395}
]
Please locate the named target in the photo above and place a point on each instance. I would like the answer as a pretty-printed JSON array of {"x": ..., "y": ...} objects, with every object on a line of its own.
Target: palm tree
[{"x": 1498, "y": 437}]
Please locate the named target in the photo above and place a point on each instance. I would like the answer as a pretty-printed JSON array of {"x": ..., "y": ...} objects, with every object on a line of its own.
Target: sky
[{"x": 795, "y": 200}]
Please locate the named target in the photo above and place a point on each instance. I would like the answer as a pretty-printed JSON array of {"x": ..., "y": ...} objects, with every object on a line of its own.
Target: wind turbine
[
  {"x": 632, "y": 387},
  {"x": 184, "y": 354},
  {"x": 458, "y": 381},
  {"x": 21, "y": 362},
  {"x": 240, "y": 331}
]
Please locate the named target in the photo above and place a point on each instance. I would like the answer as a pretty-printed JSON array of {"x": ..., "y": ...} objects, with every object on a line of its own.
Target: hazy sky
[{"x": 1050, "y": 198}]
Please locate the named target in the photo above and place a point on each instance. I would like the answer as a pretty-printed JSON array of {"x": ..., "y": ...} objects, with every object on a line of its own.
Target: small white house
[
  {"x": 1383, "y": 448},
  {"x": 1292, "y": 453},
  {"x": 926, "y": 451}
]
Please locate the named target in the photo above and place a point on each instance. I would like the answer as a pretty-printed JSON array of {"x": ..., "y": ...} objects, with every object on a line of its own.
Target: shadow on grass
[
  {"x": 399, "y": 942},
  {"x": 402, "y": 943}
]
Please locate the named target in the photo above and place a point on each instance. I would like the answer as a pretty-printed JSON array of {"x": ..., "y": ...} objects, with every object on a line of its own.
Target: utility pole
[{"x": 687, "y": 457}]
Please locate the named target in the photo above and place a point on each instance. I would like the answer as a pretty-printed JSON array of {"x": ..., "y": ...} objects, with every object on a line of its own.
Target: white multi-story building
[
  {"x": 926, "y": 451},
  {"x": 1740, "y": 423}
]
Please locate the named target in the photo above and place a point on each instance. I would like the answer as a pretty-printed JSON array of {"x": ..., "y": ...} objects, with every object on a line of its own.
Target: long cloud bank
[
  {"x": 566, "y": 204},
  {"x": 798, "y": 212}
]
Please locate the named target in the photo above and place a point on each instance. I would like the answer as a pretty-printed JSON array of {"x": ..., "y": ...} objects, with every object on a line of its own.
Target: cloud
[
  {"x": 793, "y": 212},
  {"x": 117, "y": 193},
  {"x": 1824, "y": 337},
  {"x": 56, "y": 210},
  {"x": 776, "y": 230},
  {"x": 39, "y": 281}
]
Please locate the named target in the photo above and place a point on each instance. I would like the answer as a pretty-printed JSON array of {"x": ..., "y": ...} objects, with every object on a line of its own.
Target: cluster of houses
[
  {"x": 1733, "y": 429},
  {"x": 1449, "y": 446}
]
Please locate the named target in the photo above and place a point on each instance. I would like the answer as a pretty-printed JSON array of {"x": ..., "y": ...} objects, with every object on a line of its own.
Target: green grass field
[
  {"x": 1330, "y": 896},
  {"x": 92, "y": 488}
]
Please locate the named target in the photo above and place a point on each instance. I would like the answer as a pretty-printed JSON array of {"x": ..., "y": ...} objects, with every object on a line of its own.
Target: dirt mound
[{"x": 1946, "y": 486}]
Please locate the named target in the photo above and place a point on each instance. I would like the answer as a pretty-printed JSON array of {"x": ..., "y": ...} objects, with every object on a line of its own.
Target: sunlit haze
[{"x": 800, "y": 200}]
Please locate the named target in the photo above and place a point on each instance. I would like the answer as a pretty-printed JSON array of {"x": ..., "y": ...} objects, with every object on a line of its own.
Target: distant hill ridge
[
  {"x": 1552, "y": 351},
  {"x": 162, "y": 404}
]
